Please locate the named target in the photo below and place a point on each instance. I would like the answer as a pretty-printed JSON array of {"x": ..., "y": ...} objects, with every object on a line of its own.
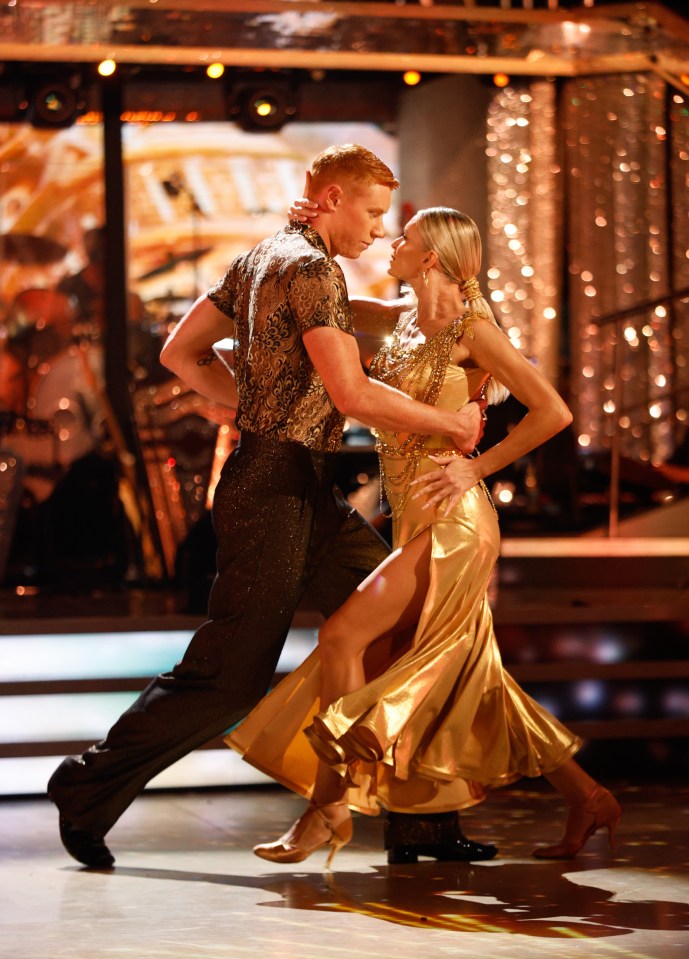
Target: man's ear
[
  {"x": 307, "y": 185},
  {"x": 333, "y": 197}
]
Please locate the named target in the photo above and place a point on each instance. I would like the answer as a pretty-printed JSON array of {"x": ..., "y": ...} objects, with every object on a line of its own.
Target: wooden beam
[{"x": 532, "y": 65}]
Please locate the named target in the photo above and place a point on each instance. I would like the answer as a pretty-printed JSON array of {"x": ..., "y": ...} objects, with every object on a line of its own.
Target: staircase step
[{"x": 596, "y": 562}]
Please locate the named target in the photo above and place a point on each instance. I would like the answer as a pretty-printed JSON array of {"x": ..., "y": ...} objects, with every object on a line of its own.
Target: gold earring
[{"x": 425, "y": 278}]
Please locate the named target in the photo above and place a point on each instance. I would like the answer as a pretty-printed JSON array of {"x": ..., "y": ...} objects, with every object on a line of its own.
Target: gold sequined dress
[{"x": 439, "y": 720}]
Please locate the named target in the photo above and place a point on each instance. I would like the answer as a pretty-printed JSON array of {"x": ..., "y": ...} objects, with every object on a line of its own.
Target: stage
[{"x": 186, "y": 884}]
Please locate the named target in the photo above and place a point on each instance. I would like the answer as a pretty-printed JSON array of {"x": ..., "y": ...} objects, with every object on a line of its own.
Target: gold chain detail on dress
[{"x": 405, "y": 369}]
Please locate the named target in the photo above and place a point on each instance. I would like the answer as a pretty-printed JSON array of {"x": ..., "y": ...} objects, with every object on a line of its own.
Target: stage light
[
  {"x": 106, "y": 68},
  {"x": 56, "y": 102},
  {"x": 500, "y": 79},
  {"x": 411, "y": 77},
  {"x": 264, "y": 106},
  {"x": 215, "y": 70}
]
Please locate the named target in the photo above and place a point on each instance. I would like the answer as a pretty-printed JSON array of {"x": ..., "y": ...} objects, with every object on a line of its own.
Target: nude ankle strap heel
[
  {"x": 329, "y": 824},
  {"x": 600, "y": 810}
]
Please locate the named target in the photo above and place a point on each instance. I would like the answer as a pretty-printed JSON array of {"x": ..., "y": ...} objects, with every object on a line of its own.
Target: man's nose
[{"x": 378, "y": 231}]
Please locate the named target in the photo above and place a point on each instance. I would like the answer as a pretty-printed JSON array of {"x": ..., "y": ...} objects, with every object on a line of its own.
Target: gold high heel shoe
[
  {"x": 600, "y": 810},
  {"x": 329, "y": 824}
]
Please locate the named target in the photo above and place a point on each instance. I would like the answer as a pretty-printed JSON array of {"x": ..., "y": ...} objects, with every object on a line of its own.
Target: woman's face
[{"x": 408, "y": 253}]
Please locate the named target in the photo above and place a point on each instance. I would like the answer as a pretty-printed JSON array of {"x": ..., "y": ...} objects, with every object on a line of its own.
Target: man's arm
[
  {"x": 188, "y": 352},
  {"x": 335, "y": 356}
]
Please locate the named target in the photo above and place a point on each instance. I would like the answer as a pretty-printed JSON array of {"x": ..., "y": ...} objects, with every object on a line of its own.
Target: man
[
  {"x": 86, "y": 286},
  {"x": 283, "y": 531}
]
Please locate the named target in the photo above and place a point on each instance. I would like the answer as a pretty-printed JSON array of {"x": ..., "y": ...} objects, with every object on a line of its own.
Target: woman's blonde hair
[
  {"x": 351, "y": 162},
  {"x": 455, "y": 238}
]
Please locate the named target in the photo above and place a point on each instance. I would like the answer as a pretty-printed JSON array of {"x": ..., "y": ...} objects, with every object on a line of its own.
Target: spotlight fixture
[
  {"x": 262, "y": 104},
  {"x": 56, "y": 101}
]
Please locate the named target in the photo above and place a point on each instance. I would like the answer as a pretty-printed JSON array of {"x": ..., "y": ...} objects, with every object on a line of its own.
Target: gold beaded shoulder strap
[{"x": 404, "y": 366}]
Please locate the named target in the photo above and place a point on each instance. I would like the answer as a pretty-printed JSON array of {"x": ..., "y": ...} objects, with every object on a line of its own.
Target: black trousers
[{"x": 284, "y": 533}]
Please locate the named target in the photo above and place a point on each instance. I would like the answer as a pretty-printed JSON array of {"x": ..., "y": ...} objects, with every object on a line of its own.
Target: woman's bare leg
[
  {"x": 572, "y": 782},
  {"x": 590, "y": 808},
  {"x": 389, "y": 600}
]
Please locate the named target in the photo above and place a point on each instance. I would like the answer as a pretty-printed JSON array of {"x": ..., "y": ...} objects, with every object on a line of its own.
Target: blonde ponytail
[
  {"x": 455, "y": 238},
  {"x": 478, "y": 306}
]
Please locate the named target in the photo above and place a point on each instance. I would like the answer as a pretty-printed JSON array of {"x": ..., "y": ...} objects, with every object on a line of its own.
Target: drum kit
[
  {"x": 48, "y": 414},
  {"x": 50, "y": 361},
  {"x": 44, "y": 419},
  {"x": 33, "y": 331}
]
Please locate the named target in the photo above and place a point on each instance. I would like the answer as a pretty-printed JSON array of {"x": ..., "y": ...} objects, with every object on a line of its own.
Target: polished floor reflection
[{"x": 186, "y": 884}]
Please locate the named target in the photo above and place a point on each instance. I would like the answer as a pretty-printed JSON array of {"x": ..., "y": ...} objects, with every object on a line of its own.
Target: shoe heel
[
  {"x": 402, "y": 856},
  {"x": 334, "y": 848},
  {"x": 342, "y": 834},
  {"x": 612, "y": 833}
]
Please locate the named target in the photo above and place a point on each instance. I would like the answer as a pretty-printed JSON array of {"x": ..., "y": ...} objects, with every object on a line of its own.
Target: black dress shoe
[
  {"x": 85, "y": 847},
  {"x": 461, "y": 850},
  {"x": 438, "y": 835}
]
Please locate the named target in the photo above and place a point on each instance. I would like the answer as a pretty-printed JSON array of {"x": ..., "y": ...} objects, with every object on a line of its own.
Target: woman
[{"x": 417, "y": 713}]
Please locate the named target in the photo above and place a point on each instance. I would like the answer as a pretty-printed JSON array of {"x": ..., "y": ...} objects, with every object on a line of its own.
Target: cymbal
[
  {"x": 28, "y": 250},
  {"x": 170, "y": 299},
  {"x": 174, "y": 261}
]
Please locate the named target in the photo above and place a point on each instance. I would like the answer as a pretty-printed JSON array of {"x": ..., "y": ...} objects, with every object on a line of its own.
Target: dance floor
[{"x": 187, "y": 885}]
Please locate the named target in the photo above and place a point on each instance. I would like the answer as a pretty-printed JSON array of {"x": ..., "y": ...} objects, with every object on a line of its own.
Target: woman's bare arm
[{"x": 546, "y": 415}]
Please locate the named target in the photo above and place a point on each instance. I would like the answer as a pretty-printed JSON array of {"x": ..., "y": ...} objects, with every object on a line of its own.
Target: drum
[
  {"x": 61, "y": 395},
  {"x": 39, "y": 324}
]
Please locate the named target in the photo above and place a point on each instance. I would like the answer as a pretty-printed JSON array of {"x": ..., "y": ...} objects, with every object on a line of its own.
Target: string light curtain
[
  {"x": 524, "y": 233},
  {"x": 615, "y": 134},
  {"x": 679, "y": 160},
  {"x": 609, "y": 156}
]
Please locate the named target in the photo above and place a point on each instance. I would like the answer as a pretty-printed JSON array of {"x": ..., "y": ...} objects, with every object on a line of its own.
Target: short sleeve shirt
[{"x": 274, "y": 293}]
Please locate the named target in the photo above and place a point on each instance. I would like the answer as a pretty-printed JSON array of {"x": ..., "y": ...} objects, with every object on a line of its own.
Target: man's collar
[{"x": 309, "y": 234}]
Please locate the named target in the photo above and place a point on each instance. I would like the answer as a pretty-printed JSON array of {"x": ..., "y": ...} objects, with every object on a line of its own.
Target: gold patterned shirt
[{"x": 274, "y": 293}]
